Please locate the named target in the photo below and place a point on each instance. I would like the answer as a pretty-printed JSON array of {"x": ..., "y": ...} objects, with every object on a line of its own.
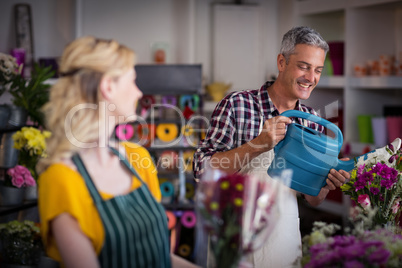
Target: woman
[{"x": 98, "y": 206}]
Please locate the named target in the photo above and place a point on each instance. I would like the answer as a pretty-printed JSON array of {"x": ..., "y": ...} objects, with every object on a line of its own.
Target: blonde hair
[{"x": 83, "y": 64}]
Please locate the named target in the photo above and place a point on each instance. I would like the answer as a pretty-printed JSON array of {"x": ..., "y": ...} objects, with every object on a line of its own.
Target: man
[{"x": 246, "y": 126}]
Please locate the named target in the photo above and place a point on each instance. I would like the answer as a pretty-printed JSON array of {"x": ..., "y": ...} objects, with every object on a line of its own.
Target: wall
[
  {"x": 184, "y": 24},
  {"x": 52, "y": 25}
]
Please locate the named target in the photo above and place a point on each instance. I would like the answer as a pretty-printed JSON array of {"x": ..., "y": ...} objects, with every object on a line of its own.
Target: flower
[
  {"x": 21, "y": 243},
  {"x": 32, "y": 140},
  {"x": 376, "y": 181},
  {"x": 21, "y": 176},
  {"x": 364, "y": 200},
  {"x": 357, "y": 247},
  {"x": 238, "y": 212},
  {"x": 31, "y": 143}
]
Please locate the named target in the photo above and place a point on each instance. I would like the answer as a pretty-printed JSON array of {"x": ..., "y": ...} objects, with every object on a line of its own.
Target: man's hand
[
  {"x": 274, "y": 130},
  {"x": 335, "y": 179}
]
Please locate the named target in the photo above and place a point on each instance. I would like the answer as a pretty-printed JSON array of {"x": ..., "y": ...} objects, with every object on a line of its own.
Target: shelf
[
  {"x": 179, "y": 206},
  {"x": 171, "y": 148},
  {"x": 12, "y": 209},
  {"x": 336, "y": 81},
  {"x": 377, "y": 82}
]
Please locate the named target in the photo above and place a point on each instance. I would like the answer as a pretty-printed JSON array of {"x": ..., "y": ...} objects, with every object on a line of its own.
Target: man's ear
[
  {"x": 106, "y": 87},
  {"x": 281, "y": 62}
]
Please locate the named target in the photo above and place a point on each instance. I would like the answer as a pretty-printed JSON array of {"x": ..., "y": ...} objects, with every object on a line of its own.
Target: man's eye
[
  {"x": 318, "y": 71},
  {"x": 303, "y": 67}
]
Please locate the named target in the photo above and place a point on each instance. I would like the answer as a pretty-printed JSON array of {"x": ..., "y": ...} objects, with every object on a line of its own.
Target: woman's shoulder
[
  {"x": 60, "y": 173},
  {"x": 132, "y": 147}
]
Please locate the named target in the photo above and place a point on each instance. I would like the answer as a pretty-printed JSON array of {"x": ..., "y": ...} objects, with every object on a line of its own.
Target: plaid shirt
[{"x": 236, "y": 120}]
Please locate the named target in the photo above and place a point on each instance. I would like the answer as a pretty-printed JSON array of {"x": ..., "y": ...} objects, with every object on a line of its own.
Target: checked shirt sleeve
[{"x": 219, "y": 137}]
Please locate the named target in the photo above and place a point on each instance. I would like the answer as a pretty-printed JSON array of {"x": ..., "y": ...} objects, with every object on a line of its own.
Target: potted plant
[
  {"x": 31, "y": 94},
  {"x": 21, "y": 244},
  {"x": 12, "y": 189}
]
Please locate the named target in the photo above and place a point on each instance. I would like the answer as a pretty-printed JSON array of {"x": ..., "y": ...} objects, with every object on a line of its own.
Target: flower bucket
[
  {"x": 4, "y": 115},
  {"x": 8, "y": 154},
  {"x": 10, "y": 196},
  {"x": 18, "y": 117},
  {"x": 31, "y": 193}
]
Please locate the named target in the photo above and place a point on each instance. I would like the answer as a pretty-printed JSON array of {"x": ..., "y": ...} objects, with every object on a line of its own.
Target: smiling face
[{"x": 303, "y": 71}]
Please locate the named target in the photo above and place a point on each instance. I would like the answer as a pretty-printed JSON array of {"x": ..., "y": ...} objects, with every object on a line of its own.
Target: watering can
[{"x": 310, "y": 154}]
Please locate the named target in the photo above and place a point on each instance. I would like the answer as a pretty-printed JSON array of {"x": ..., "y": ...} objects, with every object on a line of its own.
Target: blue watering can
[{"x": 309, "y": 153}]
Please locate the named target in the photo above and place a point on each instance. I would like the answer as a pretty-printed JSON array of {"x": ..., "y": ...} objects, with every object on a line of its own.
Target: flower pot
[
  {"x": 31, "y": 193},
  {"x": 10, "y": 196},
  {"x": 8, "y": 154}
]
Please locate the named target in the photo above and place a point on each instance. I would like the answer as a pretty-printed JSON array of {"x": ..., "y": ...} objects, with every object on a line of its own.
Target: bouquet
[
  {"x": 238, "y": 212},
  {"x": 20, "y": 177},
  {"x": 31, "y": 142},
  {"x": 359, "y": 247},
  {"x": 376, "y": 182}
]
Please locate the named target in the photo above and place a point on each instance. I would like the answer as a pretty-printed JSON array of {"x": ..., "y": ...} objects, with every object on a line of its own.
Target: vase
[
  {"x": 8, "y": 154},
  {"x": 31, "y": 193},
  {"x": 11, "y": 196}
]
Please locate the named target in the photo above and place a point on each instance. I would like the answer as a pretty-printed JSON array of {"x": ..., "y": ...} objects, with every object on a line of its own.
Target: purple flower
[
  {"x": 392, "y": 158},
  {"x": 374, "y": 190},
  {"x": 353, "y": 264},
  {"x": 391, "y": 147},
  {"x": 360, "y": 169},
  {"x": 380, "y": 256},
  {"x": 387, "y": 183},
  {"x": 384, "y": 171}
]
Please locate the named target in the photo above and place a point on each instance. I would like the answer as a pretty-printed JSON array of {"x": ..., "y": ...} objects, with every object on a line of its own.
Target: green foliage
[
  {"x": 33, "y": 93},
  {"x": 20, "y": 243}
]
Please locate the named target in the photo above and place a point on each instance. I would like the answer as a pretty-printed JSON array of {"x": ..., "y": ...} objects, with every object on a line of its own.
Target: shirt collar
[{"x": 266, "y": 103}]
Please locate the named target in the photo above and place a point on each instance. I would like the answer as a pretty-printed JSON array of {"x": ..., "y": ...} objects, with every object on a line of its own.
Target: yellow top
[{"x": 62, "y": 189}]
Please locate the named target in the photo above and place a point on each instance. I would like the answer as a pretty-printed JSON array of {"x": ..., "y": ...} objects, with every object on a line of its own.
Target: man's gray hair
[{"x": 301, "y": 35}]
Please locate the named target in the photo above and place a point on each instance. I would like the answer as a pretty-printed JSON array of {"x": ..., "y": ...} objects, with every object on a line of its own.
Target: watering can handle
[{"x": 321, "y": 121}]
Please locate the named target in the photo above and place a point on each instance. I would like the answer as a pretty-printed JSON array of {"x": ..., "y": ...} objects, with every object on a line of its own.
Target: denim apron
[{"x": 136, "y": 231}]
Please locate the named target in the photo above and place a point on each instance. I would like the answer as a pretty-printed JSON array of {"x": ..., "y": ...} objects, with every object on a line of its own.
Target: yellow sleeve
[
  {"x": 63, "y": 190},
  {"x": 142, "y": 162}
]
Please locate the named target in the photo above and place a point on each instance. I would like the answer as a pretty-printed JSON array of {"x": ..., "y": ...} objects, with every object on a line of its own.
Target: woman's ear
[{"x": 107, "y": 87}]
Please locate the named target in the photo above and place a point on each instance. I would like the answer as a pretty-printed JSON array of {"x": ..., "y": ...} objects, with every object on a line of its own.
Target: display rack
[{"x": 169, "y": 125}]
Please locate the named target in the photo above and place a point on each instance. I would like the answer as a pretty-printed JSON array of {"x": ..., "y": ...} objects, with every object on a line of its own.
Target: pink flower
[
  {"x": 21, "y": 170},
  {"x": 18, "y": 181},
  {"x": 29, "y": 180},
  {"x": 11, "y": 172},
  {"x": 396, "y": 205},
  {"x": 364, "y": 200}
]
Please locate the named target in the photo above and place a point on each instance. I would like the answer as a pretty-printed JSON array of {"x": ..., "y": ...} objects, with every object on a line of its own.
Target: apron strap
[
  {"x": 126, "y": 163},
  {"x": 88, "y": 181}
]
